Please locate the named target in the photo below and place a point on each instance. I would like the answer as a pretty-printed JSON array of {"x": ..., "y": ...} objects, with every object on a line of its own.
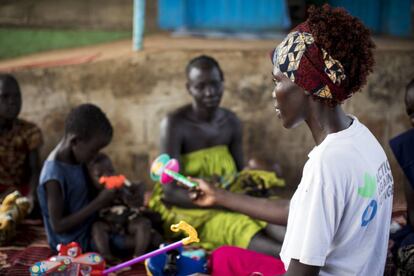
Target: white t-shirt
[{"x": 339, "y": 216}]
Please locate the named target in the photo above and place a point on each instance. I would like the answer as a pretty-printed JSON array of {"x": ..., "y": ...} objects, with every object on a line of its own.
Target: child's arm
[
  {"x": 61, "y": 223},
  {"x": 409, "y": 195},
  {"x": 34, "y": 167}
]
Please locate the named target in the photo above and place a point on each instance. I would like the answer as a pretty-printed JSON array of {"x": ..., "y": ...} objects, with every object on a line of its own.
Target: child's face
[
  {"x": 103, "y": 167},
  {"x": 85, "y": 150},
  {"x": 10, "y": 101},
  {"x": 409, "y": 104}
]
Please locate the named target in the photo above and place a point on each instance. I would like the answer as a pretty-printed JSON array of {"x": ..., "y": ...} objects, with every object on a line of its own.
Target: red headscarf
[{"x": 299, "y": 58}]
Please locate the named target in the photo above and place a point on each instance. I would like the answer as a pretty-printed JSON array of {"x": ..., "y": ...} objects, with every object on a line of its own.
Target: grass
[{"x": 15, "y": 42}]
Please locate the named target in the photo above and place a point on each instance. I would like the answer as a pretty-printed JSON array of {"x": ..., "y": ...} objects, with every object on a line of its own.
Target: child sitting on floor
[
  {"x": 67, "y": 198},
  {"x": 20, "y": 141},
  {"x": 403, "y": 147},
  {"x": 121, "y": 228}
]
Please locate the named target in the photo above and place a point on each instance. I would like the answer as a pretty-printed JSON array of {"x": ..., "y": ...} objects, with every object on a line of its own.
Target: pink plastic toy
[{"x": 165, "y": 169}]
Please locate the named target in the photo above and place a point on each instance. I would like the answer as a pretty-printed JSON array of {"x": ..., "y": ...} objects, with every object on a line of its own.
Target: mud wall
[{"x": 137, "y": 92}]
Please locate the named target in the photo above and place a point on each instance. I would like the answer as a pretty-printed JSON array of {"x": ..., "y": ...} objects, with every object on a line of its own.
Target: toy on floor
[
  {"x": 178, "y": 262},
  {"x": 70, "y": 262},
  {"x": 182, "y": 225},
  {"x": 12, "y": 210},
  {"x": 165, "y": 169}
]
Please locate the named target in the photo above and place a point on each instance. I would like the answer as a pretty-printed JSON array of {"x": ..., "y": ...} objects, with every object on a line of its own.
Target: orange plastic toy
[{"x": 114, "y": 181}]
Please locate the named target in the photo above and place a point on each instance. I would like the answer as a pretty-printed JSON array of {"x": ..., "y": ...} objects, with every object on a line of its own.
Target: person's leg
[
  {"x": 100, "y": 237},
  {"x": 156, "y": 240},
  {"x": 228, "y": 228},
  {"x": 276, "y": 232},
  {"x": 262, "y": 243},
  {"x": 268, "y": 241},
  {"x": 139, "y": 235}
]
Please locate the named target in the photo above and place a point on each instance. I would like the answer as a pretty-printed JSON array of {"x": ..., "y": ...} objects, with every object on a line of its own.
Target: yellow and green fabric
[{"x": 214, "y": 227}]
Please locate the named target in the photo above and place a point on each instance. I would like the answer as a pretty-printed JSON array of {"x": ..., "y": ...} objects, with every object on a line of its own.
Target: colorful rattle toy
[
  {"x": 70, "y": 261},
  {"x": 165, "y": 169},
  {"x": 114, "y": 181},
  {"x": 182, "y": 225}
]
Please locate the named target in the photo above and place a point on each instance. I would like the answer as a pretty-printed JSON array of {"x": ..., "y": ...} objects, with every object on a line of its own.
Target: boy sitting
[
  {"x": 121, "y": 229},
  {"x": 67, "y": 198}
]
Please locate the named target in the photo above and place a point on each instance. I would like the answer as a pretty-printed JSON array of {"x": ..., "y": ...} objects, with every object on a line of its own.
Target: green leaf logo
[{"x": 370, "y": 185}]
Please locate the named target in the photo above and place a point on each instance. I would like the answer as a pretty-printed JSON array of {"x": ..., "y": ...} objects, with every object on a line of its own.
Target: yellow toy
[{"x": 12, "y": 210}]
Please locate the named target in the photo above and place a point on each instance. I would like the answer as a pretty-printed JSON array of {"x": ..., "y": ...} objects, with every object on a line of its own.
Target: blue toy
[{"x": 177, "y": 262}]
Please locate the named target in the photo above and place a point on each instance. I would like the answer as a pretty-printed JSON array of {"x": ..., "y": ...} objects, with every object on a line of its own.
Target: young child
[
  {"x": 403, "y": 148},
  {"x": 20, "y": 141},
  {"x": 121, "y": 229},
  {"x": 67, "y": 197}
]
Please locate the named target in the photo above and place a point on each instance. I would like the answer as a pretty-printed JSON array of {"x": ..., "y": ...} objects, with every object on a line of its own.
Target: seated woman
[{"x": 207, "y": 139}]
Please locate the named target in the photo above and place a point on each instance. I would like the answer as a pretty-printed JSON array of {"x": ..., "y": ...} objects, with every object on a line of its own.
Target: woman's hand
[{"x": 205, "y": 194}]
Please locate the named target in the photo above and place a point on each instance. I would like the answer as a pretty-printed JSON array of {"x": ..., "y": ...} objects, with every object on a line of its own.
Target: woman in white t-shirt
[{"x": 338, "y": 219}]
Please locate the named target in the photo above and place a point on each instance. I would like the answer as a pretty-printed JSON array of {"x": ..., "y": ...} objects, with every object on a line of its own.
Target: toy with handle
[
  {"x": 165, "y": 169},
  {"x": 182, "y": 225}
]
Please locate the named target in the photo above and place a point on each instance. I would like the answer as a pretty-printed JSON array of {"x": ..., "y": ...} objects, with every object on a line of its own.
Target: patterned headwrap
[{"x": 309, "y": 66}]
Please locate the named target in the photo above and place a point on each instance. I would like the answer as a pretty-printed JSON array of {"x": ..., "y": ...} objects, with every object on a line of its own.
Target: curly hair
[{"x": 346, "y": 39}]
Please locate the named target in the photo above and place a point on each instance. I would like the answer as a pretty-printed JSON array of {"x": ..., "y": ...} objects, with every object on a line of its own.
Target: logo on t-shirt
[
  {"x": 370, "y": 185},
  {"x": 367, "y": 191},
  {"x": 383, "y": 184}
]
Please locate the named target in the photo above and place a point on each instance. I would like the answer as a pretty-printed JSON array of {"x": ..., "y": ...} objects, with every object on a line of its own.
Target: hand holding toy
[{"x": 165, "y": 169}]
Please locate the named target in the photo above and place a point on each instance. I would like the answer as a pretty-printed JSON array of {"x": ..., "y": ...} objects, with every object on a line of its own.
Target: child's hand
[
  {"x": 106, "y": 197},
  {"x": 204, "y": 195}
]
